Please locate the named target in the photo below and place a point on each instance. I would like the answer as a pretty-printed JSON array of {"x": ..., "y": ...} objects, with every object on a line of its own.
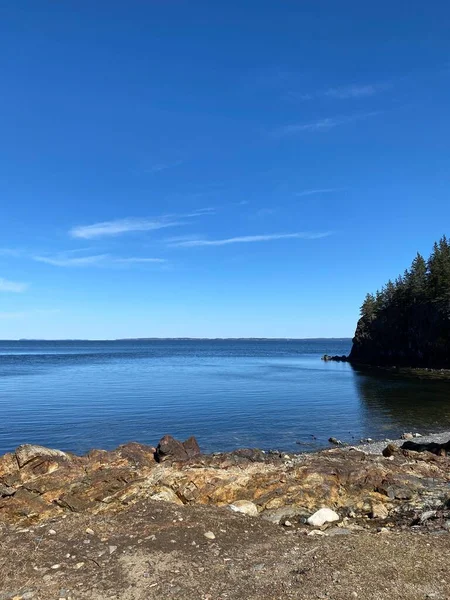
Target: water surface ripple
[{"x": 228, "y": 393}]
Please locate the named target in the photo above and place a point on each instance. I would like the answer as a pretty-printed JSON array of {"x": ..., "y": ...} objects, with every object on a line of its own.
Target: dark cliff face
[{"x": 417, "y": 337}]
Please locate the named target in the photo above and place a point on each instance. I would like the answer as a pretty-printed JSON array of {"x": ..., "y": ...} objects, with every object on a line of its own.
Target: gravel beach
[{"x": 377, "y": 446}]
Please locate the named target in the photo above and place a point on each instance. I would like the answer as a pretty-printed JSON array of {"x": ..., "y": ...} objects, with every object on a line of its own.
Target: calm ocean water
[{"x": 268, "y": 394}]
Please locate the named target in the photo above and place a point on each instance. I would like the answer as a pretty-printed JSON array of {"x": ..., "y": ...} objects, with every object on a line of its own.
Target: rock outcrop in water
[{"x": 407, "y": 324}]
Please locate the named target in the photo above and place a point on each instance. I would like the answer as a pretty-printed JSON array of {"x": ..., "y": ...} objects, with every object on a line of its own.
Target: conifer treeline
[{"x": 408, "y": 321}]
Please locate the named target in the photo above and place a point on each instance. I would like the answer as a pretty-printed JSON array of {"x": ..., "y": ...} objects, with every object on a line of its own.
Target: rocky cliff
[
  {"x": 407, "y": 323},
  {"x": 420, "y": 338}
]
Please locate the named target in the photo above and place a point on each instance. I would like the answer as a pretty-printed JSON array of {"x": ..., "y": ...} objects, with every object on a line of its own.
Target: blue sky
[{"x": 193, "y": 168}]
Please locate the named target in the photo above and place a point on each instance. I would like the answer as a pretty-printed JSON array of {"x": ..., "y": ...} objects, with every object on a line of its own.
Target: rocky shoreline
[
  {"x": 76, "y": 511},
  {"x": 37, "y": 483},
  {"x": 415, "y": 372}
]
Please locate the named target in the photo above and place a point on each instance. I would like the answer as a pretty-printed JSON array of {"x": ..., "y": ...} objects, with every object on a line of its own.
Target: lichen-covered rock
[
  {"x": 28, "y": 452},
  {"x": 245, "y": 507},
  {"x": 165, "y": 494},
  {"x": 379, "y": 511}
]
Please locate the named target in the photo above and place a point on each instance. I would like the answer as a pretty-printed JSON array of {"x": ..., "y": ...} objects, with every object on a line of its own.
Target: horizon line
[{"x": 142, "y": 339}]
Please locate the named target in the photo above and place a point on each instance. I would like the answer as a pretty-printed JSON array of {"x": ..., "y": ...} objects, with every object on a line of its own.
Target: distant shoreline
[{"x": 192, "y": 339}]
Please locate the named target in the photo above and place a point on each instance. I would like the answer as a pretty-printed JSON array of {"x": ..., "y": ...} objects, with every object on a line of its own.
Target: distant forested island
[{"x": 407, "y": 322}]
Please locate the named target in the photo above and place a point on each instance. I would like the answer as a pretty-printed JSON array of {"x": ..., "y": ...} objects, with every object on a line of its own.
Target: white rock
[
  {"x": 51, "y": 532},
  {"x": 322, "y": 516},
  {"x": 245, "y": 507},
  {"x": 90, "y": 531},
  {"x": 287, "y": 524},
  {"x": 55, "y": 566},
  {"x": 209, "y": 535},
  {"x": 112, "y": 549}
]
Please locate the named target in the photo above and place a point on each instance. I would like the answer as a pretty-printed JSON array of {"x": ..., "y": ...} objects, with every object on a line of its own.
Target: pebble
[
  {"x": 90, "y": 531},
  {"x": 79, "y": 565},
  {"x": 383, "y": 530},
  {"x": 51, "y": 532},
  {"x": 209, "y": 535},
  {"x": 287, "y": 524},
  {"x": 112, "y": 549},
  {"x": 55, "y": 567}
]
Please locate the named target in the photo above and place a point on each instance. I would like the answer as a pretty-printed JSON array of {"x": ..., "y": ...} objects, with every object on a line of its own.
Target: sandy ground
[{"x": 159, "y": 550}]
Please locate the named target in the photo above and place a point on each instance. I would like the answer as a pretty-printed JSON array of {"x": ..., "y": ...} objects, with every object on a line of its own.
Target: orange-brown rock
[{"x": 38, "y": 483}]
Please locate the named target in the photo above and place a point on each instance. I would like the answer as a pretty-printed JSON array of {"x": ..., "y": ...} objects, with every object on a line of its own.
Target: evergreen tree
[
  {"x": 368, "y": 308},
  {"x": 439, "y": 275},
  {"x": 416, "y": 279}
]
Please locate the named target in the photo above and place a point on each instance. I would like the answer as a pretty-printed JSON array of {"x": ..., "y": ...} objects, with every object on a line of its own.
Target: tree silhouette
[{"x": 408, "y": 321}]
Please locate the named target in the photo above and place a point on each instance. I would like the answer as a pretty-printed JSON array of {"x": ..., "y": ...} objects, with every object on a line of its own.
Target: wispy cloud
[
  {"x": 317, "y": 191},
  {"x": 354, "y": 91},
  {"x": 96, "y": 260},
  {"x": 131, "y": 224},
  {"x": 12, "y": 286},
  {"x": 343, "y": 92},
  {"x": 136, "y": 260},
  {"x": 158, "y": 167},
  {"x": 322, "y": 124},
  {"x": 247, "y": 239},
  {"x": 120, "y": 226}
]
